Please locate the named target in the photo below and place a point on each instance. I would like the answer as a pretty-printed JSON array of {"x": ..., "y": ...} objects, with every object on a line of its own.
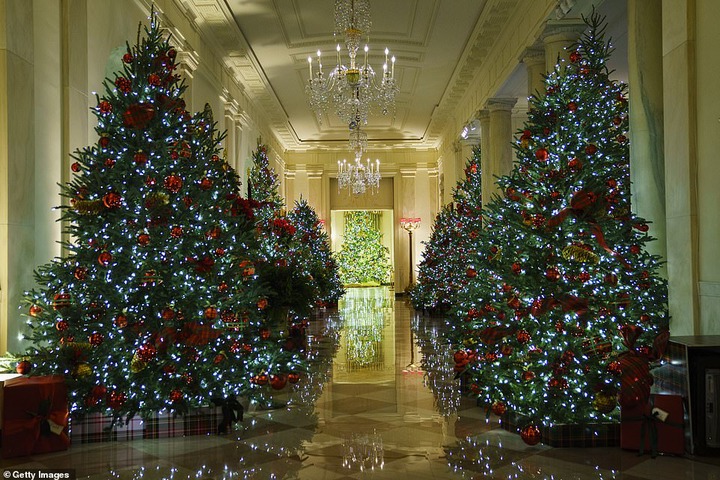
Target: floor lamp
[{"x": 410, "y": 225}]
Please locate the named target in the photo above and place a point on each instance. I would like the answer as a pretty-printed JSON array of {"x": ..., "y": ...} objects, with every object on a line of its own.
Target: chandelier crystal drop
[{"x": 353, "y": 90}]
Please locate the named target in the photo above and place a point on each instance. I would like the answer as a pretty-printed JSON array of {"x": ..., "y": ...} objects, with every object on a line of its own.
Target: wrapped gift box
[
  {"x": 4, "y": 377},
  {"x": 97, "y": 427},
  {"x": 655, "y": 427},
  {"x": 35, "y": 416},
  {"x": 568, "y": 435}
]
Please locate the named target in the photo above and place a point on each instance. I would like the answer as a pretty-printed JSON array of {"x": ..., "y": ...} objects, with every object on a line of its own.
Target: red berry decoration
[
  {"x": 105, "y": 258},
  {"x": 143, "y": 239},
  {"x": 516, "y": 268},
  {"x": 528, "y": 375},
  {"x": 104, "y": 140},
  {"x": 575, "y": 57},
  {"x": 264, "y": 333},
  {"x": 176, "y": 396},
  {"x": 173, "y": 183},
  {"x": 499, "y": 408},
  {"x": 154, "y": 79},
  {"x": 552, "y": 274},
  {"x": 522, "y": 336},
  {"x": 621, "y": 139},
  {"x": 615, "y": 368},
  {"x": 542, "y": 154},
  {"x": 109, "y": 162},
  {"x": 23, "y": 367},
  {"x": 176, "y": 232},
  {"x": 123, "y": 84},
  {"x": 590, "y": 149},
  {"x": 96, "y": 339},
  {"x": 62, "y": 325},
  {"x": 167, "y": 313},
  {"x": 460, "y": 356},
  {"x": 531, "y": 435},
  {"x": 138, "y": 115},
  {"x": 116, "y": 400},
  {"x": 223, "y": 287},
  {"x": 121, "y": 321},
  {"x": 278, "y": 382},
  {"x": 617, "y": 121},
  {"x": 105, "y": 107},
  {"x": 572, "y": 106}
]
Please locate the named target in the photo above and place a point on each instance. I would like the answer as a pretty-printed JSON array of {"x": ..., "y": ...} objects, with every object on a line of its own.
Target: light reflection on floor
[{"x": 380, "y": 395}]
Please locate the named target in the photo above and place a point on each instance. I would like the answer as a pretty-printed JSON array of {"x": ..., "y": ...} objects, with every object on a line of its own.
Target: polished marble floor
[{"x": 381, "y": 403}]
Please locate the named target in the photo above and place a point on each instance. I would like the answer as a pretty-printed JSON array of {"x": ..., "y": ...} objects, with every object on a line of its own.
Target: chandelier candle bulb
[
  {"x": 366, "y": 55},
  {"x": 310, "y": 67},
  {"x": 392, "y": 74},
  {"x": 338, "y": 55}
]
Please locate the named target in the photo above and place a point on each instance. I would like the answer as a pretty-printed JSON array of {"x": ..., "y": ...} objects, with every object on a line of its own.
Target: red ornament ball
[
  {"x": 575, "y": 57},
  {"x": 278, "y": 382},
  {"x": 211, "y": 313},
  {"x": 23, "y": 367},
  {"x": 62, "y": 325},
  {"x": 219, "y": 252},
  {"x": 572, "y": 106},
  {"x": 176, "y": 396},
  {"x": 127, "y": 58},
  {"x": 575, "y": 164},
  {"x": 261, "y": 379},
  {"x": 61, "y": 300},
  {"x": 531, "y": 435},
  {"x": 121, "y": 321},
  {"x": 206, "y": 183},
  {"x": 590, "y": 149},
  {"x": 167, "y": 313},
  {"x": 635, "y": 249},
  {"x": 35, "y": 310},
  {"x": 143, "y": 239},
  {"x": 542, "y": 154},
  {"x": 140, "y": 157},
  {"x": 264, "y": 333},
  {"x": 499, "y": 408},
  {"x": 610, "y": 279},
  {"x": 460, "y": 356},
  {"x": 471, "y": 272},
  {"x": 75, "y": 167},
  {"x": 528, "y": 375},
  {"x": 154, "y": 79},
  {"x": 173, "y": 183},
  {"x": 112, "y": 200},
  {"x": 516, "y": 268},
  {"x": 109, "y": 162},
  {"x": 98, "y": 391},
  {"x": 621, "y": 139},
  {"x": 105, "y": 258},
  {"x": 293, "y": 377}
]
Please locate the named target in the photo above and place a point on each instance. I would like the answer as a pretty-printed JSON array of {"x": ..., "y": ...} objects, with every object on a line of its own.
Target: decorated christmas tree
[
  {"x": 454, "y": 237},
  {"x": 566, "y": 310},
  {"x": 283, "y": 257},
  {"x": 319, "y": 262},
  {"x": 363, "y": 259},
  {"x": 151, "y": 308}
]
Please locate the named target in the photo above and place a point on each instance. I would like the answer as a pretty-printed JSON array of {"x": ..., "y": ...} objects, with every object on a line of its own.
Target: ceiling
[{"x": 439, "y": 45}]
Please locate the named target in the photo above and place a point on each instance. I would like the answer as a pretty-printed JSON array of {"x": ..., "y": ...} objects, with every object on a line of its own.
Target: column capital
[
  {"x": 534, "y": 55},
  {"x": 482, "y": 114},
  {"x": 189, "y": 61},
  {"x": 568, "y": 29},
  {"x": 500, "y": 104}
]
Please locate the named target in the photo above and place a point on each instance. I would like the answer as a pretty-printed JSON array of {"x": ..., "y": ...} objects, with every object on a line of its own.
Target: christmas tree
[
  {"x": 320, "y": 263},
  {"x": 567, "y": 309},
  {"x": 363, "y": 259},
  {"x": 151, "y": 308},
  {"x": 444, "y": 267},
  {"x": 283, "y": 267}
]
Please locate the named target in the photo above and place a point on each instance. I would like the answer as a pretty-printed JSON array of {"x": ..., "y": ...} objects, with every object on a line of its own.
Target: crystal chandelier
[
  {"x": 352, "y": 91},
  {"x": 358, "y": 177}
]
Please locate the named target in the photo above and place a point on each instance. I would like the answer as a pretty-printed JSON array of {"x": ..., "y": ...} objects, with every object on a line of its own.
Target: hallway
[{"x": 380, "y": 402}]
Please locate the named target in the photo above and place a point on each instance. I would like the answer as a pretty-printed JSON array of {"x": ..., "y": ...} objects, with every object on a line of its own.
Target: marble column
[
  {"x": 315, "y": 193},
  {"x": 558, "y": 35},
  {"x": 17, "y": 166},
  {"x": 534, "y": 60},
  {"x": 645, "y": 78},
  {"x": 406, "y": 208},
  {"x": 486, "y": 180},
  {"x": 500, "y": 153},
  {"x": 231, "y": 140},
  {"x": 681, "y": 166}
]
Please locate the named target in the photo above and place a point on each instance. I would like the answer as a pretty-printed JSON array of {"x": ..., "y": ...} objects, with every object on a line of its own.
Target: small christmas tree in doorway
[{"x": 363, "y": 259}]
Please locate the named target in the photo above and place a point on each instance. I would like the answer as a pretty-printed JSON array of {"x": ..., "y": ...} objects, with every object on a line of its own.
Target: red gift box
[
  {"x": 646, "y": 428},
  {"x": 35, "y": 413}
]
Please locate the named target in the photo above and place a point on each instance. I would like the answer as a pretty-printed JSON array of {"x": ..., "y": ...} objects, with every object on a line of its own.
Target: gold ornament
[
  {"x": 579, "y": 254},
  {"x": 604, "y": 402},
  {"x": 157, "y": 199},
  {"x": 137, "y": 365},
  {"x": 82, "y": 370}
]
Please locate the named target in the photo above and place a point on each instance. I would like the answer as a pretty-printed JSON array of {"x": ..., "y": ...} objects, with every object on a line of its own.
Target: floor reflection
[{"x": 381, "y": 401}]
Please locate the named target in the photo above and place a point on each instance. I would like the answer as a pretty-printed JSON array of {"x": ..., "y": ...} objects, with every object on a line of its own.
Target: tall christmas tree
[
  {"x": 363, "y": 259},
  {"x": 567, "y": 308},
  {"x": 150, "y": 309},
  {"x": 444, "y": 267},
  {"x": 319, "y": 263}
]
